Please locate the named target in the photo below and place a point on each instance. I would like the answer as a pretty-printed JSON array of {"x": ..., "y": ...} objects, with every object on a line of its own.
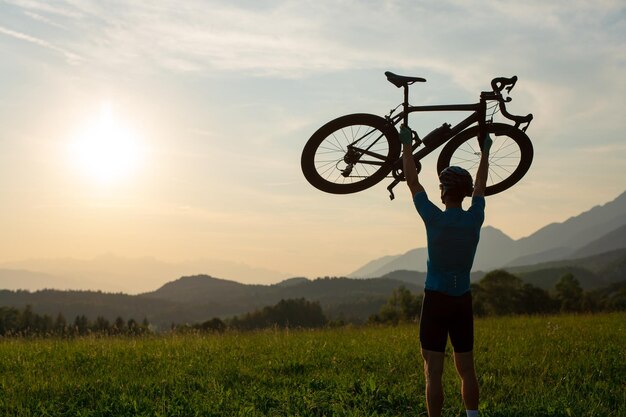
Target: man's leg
[
  {"x": 433, "y": 372},
  {"x": 464, "y": 363}
]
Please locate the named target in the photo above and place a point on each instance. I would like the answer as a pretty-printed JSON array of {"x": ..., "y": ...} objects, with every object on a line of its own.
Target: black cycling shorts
[{"x": 444, "y": 314}]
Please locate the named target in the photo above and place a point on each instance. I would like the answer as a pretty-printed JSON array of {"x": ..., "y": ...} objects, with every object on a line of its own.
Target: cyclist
[{"x": 452, "y": 237}]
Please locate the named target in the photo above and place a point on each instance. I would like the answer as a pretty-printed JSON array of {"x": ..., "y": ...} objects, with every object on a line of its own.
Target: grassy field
[{"x": 527, "y": 366}]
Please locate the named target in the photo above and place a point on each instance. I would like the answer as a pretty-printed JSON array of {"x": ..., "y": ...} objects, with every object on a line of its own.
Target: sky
[{"x": 211, "y": 103}]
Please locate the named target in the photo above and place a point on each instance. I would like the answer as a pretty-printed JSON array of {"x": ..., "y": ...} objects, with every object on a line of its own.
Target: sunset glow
[
  {"x": 151, "y": 129},
  {"x": 106, "y": 150}
]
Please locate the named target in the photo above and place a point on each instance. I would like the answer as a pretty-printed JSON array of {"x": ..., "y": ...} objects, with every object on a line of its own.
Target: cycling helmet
[{"x": 456, "y": 180}]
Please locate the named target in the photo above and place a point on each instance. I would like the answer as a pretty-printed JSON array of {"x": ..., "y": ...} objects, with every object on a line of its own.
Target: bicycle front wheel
[
  {"x": 350, "y": 153},
  {"x": 509, "y": 158}
]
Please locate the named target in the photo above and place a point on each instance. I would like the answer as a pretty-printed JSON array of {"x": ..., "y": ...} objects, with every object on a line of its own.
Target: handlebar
[
  {"x": 517, "y": 119},
  {"x": 499, "y": 84}
]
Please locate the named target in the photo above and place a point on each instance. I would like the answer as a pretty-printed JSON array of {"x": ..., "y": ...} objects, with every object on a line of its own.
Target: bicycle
[{"x": 354, "y": 152}]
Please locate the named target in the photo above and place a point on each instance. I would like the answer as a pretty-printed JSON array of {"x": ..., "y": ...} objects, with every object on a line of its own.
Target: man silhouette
[{"x": 452, "y": 237}]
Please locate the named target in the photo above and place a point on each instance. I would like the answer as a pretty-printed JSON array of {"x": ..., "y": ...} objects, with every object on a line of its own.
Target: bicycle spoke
[
  {"x": 470, "y": 146},
  {"x": 498, "y": 175},
  {"x": 465, "y": 150},
  {"x": 506, "y": 156},
  {"x": 338, "y": 143},
  {"x": 504, "y": 169},
  {"x": 367, "y": 170},
  {"x": 356, "y": 170},
  {"x": 327, "y": 163},
  {"x": 501, "y": 144},
  {"x": 326, "y": 174},
  {"x": 330, "y": 149},
  {"x": 463, "y": 159},
  {"x": 346, "y": 136},
  {"x": 334, "y": 145}
]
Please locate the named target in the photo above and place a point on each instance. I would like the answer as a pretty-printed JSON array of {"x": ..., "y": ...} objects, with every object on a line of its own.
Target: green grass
[{"x": 527, "y": 366}]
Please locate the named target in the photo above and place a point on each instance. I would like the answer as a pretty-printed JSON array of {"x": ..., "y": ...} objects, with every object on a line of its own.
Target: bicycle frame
[
  {"x": 475, "y": 117},
  {"x": 477, "y": 109}
]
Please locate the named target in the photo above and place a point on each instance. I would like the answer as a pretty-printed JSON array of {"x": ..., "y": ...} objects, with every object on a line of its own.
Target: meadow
[{"x": 569, "y": 365}]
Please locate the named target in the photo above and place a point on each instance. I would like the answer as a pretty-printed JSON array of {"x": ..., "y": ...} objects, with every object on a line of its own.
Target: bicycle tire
[
  {"x": 509, "y": 159},
  {"x": 336, "y": 134}
]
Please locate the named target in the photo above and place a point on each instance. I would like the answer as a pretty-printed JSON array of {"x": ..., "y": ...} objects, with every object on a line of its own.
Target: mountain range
[
  {"x": 600, "y": 229},
  {"x": 198, "y": 298}
]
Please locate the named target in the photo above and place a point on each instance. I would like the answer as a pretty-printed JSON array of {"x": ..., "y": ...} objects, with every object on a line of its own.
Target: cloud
[
  {"x": 56, "y": 9},
  {"x": 69, "y": 56},
  {"x": 294, "y": 39}
]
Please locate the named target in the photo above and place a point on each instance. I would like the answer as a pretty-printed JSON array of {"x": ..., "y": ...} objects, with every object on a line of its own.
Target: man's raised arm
[{"x": 483, "y": 168}]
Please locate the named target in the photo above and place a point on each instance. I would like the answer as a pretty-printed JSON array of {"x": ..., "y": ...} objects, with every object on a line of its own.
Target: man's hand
[
  {"x": 408, "y": 164},
  {"x": 406, "y": 136}
]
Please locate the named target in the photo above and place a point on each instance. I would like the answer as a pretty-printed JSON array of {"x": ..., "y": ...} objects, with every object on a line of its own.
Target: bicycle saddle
[{"x": 401, "y": 80}]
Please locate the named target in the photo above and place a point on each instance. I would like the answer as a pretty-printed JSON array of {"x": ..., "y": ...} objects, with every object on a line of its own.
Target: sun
[{"x": 106, "y": 150}]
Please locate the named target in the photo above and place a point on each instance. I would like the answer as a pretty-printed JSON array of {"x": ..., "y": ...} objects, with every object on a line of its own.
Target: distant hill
[
  {"x": 200, "y": 289},
  {"x": 373, "y": 268},
  {"x": 18, "y": 279},
  {"x": 290, "y": 282},
  {"x": 593, "y": 272},
  {"x": 611, "y": 241},
  {"x": 199, "y": 298},
  {"x": 577, "y": 231}
]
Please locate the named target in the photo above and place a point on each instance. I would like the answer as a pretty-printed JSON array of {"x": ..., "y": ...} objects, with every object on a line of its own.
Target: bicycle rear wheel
[
  {"x": 509, "y": 158},
  {"x": 350, "y": 153}
]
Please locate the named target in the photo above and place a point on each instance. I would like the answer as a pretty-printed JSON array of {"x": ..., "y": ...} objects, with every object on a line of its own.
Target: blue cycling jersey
[{"x": 452, "y": 237}]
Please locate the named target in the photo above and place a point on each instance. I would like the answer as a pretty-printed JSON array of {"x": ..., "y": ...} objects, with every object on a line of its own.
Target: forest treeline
[
  {"x": 498, "y": 293},
  {"x": 25, "y": 322},
  {"x": 502, "y": 293},
  {"x": 296, "y": 313}
]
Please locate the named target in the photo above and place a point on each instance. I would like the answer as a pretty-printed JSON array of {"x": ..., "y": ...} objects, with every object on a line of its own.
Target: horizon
[
  {"x": 166, "y": 272},
  {"x": 210, "y": 106}
]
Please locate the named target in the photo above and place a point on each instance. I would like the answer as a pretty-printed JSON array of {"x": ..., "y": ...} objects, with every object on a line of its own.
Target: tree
[
  {"x": 27, "y": 321},
  {"x": 499, "y": 293},
  {"x": 569, "y": 293},
  {"x": 215, "y": 325},
  {"x": 101, "y": 325},
  {"x": 133, "y": 327},
  {"x": 9, "y": 320},
  {"x": 287, "y": 313},
  {"x": 536, "y": 300},
  {"x": 401, "y": 306},
  {"x": 60, "y": 325},
  {"x": 81, "y": 325},
  {"x": 119, "y": 325}
]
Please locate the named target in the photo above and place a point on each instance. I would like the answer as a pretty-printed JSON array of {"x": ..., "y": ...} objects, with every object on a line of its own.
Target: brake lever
[{"x": 528, "y": 119}]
